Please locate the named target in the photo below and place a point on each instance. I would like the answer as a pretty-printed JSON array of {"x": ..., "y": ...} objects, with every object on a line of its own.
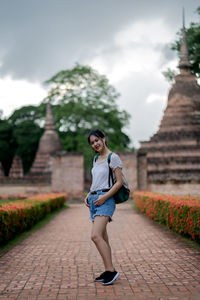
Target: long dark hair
[{"x": 98, "y": 133}]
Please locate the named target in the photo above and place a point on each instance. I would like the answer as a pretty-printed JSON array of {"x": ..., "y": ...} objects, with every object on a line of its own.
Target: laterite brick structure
[
  {"x": 16, "y": 170},
  {"x": 170, "y": 161},
  {"x": 53, "y": 170}
]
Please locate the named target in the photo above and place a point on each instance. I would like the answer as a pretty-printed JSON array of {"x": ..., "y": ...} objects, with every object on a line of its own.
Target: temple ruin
[
  {"x": 53, "y": 170},
  {"x": 170, "y": 161},
  {"x": 49, "y": 144},
  {"x": 16, "y": 170}
]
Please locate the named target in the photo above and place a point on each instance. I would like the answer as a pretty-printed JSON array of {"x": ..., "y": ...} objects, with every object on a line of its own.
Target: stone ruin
[
  {"x": 49, "y": 144},
  {"x": 53, "y": 170},
  {"x": 170, "y": 161},
  {"x": 16, "y": 170}
]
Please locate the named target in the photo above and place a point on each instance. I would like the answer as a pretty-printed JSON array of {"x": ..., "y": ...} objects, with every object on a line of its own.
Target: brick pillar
[{"x": 142, "y": 171}]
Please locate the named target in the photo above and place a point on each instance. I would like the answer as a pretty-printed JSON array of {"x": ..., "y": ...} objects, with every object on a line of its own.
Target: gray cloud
[
  {"x": 146, "y": 117},
  {"x": 39, "y": 38}
]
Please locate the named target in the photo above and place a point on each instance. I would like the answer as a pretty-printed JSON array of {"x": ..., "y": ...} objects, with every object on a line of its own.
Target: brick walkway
[{"x": 59, "y": 261}]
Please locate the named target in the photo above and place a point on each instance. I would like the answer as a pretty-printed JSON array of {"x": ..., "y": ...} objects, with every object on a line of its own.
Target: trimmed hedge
[
  {"x": 180, "y": 213},
  {"x": 20, "y": 215}
]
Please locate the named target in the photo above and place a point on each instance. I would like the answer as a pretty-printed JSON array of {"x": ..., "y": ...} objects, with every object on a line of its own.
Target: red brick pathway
[{"x": 59, "y": 261}]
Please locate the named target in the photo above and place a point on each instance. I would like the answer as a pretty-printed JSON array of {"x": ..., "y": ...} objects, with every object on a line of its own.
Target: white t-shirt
[{"x": 100, "y": 172}]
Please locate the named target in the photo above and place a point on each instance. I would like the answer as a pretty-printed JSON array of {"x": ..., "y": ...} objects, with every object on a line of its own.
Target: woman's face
[{"x": 97, "y": 143}]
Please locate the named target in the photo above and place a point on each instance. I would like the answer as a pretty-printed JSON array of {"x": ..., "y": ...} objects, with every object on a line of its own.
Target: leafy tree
[
  {"x": 27, "y": 135},
  {"x": 29, "y": 113},
  {"x": 26, "y": 123},
  {"x": 84, "y": 100},
  {"x": 193, "y": 41}
]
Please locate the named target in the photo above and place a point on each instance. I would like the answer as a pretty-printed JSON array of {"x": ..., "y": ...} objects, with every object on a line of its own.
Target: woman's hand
[
  {"x": 86, "y": 201},
  {"x": 100, "y": 200}
]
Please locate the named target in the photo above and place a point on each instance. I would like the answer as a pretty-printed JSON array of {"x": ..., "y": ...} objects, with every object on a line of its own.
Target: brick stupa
[
  {"x": 173, "y": 154},
  {"x": 16, "y": 170},
  {"x": 49, "y": 143}
]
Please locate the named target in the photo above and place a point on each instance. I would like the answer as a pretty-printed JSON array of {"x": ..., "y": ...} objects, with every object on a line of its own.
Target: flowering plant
[
  {"x": 19, "y": 215},
  {"x": 180, "y": 213}
]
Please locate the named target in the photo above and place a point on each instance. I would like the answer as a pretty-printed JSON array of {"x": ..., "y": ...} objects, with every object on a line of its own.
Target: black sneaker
[
  {"x": 110, "y": 277},
  {"x": 101, "y": 277}
]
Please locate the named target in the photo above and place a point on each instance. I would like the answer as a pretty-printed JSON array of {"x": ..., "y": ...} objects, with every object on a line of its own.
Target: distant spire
[
  {"x": 49, "y": 117},
  {"x": 184, "y": 63},
  {"x": 49, "y": 141},
  {"x": 183, "y": 17}
]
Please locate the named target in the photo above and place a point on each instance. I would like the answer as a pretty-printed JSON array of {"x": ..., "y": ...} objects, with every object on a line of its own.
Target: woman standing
[{"x": 101, "y": 202}]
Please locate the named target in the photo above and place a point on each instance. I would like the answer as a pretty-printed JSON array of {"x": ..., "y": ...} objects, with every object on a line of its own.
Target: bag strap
[
  {"x": 109, "y": 157},
  {"x": 110, "y": 175},
  {"x": 96, "y": 157}
]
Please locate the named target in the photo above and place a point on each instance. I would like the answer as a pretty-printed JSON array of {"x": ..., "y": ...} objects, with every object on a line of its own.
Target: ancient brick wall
[
  {"x": 175, "y": 189},
  {"x": 67, "y": 174},
  {"x": 141, "y": 171},
  {"x": 14, "y": 189}
]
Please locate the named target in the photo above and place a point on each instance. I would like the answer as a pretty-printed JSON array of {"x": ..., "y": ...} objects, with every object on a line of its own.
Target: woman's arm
[
  {"x": 86, "y": 200},
  {"x": 114, "y": 189}
]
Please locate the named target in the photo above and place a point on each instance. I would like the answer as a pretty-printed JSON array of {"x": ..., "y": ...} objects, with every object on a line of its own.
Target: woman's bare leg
[
  {"x": 100, "y": 238},
  {"x": 105, "y": 236}
]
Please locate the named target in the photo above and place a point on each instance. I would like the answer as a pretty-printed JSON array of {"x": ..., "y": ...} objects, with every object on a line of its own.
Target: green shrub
[
  {"x": 20, "y": 215},
  {"x": 180, "y": 213}
]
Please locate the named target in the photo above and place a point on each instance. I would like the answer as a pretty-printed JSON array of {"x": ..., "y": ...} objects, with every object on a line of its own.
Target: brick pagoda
[
  {"x": 170, "y": 161},
  {"x": 16, "y": 170},
  {"x": 49, "y": 143}
]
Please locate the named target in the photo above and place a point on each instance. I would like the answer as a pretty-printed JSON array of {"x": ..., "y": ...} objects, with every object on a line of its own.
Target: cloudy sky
[{"x": 127, "y": 40}]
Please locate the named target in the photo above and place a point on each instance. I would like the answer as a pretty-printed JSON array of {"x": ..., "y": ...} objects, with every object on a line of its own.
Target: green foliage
[
  {"x": 23, "y": 235},
  {"x": 27, "y": 135},
  {"x": 179, "y": 213},
  {"x": 27, "y": 132},
  {"x": 7, "y": 145},
  {"x": 32, "y": 113},
  {"x": 18, "y": 216},
  {"x": 193, "y": 41},
  {"x": 169, "y": 74},
  {"x": 84, "y": 100}
]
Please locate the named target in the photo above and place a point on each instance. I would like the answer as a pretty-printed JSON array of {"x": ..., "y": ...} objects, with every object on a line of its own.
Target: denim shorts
[{"x": 106, "y": 209}]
